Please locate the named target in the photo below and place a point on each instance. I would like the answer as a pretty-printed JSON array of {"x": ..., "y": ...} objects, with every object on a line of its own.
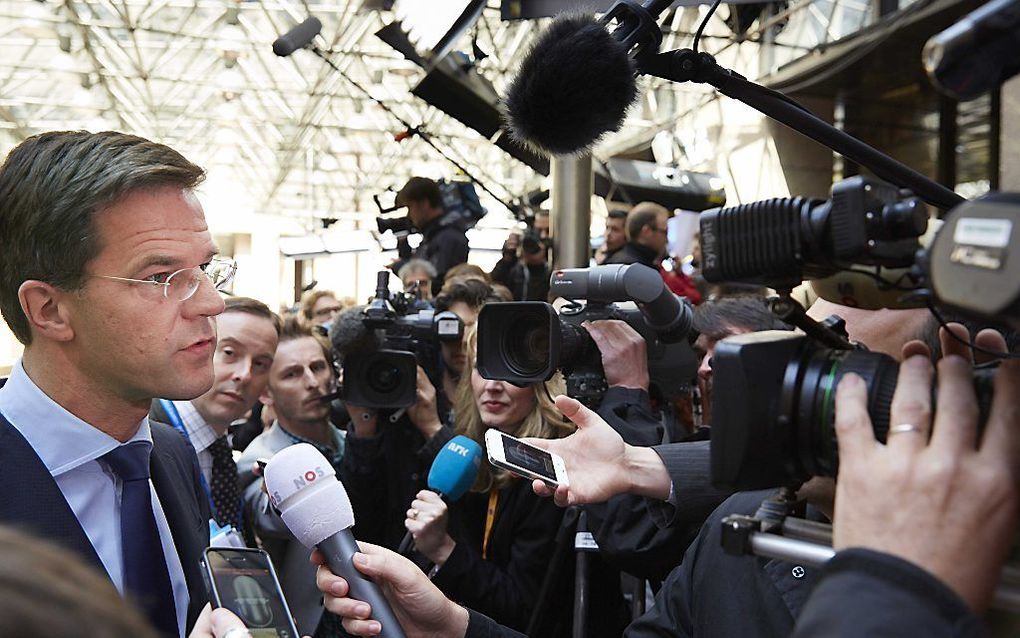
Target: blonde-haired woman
[{"x": 493, "y": 547}]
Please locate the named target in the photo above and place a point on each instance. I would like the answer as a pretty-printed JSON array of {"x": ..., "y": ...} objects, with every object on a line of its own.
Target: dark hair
[
  {"x": 720, "y": 318},
  {"x": 418, "y": 189},
  {"x": 617, "y": 213},
  {"x": 252, "y": 307},
  {"x": 51, "y": 187},
  {"x": 472, "y": 292},
  {"x": 51, "y": 593},
  {"x": 643, "y": 214}
]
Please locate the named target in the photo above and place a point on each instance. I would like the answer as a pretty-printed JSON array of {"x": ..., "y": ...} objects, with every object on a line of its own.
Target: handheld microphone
[
  {"x": 315, "y": 507},
  {"x": 297, "y": 38},
  {"x": 452, "y": 474}
]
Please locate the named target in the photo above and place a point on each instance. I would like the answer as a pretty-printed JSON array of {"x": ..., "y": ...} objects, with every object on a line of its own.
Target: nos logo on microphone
[{"x": 299, "y": 482}]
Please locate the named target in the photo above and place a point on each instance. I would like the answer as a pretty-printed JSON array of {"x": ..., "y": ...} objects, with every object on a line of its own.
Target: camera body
[
  {"x": 527, "y": 342},
  {"x": 406, "y": 332},
  {"x": 781, "y": 430}
]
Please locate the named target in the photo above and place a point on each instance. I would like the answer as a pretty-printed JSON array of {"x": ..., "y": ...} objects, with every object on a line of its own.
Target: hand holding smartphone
[
  {"x": 244, "y": 581},
  {"x": 522, "y": 459}
]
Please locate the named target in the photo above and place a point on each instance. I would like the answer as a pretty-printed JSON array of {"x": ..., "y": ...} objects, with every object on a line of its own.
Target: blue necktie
[{"x": 146, "y": 577}]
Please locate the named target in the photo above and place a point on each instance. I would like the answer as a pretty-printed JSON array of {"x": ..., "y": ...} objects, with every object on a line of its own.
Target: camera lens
[
  {"x": 382, "y": 376},
  {"x": 814, "y": 402},
  {"x": 526, "y": 345}
]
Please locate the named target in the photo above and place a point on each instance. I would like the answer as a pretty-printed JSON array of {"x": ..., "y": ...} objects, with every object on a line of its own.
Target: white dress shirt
[
  {"x": 200, "y": 434},
  {"x": 69, "y": 448}
]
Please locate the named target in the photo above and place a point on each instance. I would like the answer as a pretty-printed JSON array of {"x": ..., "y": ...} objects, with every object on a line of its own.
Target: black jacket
[
  {"x": 527, "y": 283},
  {"x": 444, "y": 245},
  {"x": 383, "y": 473},
  {"x": 635, "y": 253},
  {"x": 866, "y": 593},
  {"x": 715, "y": 594},
  {"x": 503, "y": 585}
]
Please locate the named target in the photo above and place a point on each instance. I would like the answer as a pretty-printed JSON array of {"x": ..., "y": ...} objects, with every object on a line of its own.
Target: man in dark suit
[{"x": 108, "y": 278}]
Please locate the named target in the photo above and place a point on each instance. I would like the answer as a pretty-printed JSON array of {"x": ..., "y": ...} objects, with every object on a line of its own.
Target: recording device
[
  {"x": 452, "y": 474},
  {"x": 527, "y": 342},
  {"x": 315, "y": 507},
  {"x": 244, "y": 581},
  {"x": 297, "y": 38},
  {"x": 978, "y": 53},
  {"x": 461, "y": 208},
  {"x": 380, "y": 346},
  {"x": 780, "y": 242},
  {"x": 522, "y": 459}
]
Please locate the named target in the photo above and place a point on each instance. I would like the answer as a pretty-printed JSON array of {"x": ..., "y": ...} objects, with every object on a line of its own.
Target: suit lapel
[
  {"x": 171, "y": 472},
  {"x": 37, "y": 504}
]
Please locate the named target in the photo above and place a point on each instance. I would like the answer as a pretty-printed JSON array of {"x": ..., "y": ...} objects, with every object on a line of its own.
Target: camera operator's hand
[
  {"x": 427, "y": 520},
  {"x": 948, "y": 504},
  {"x": 423, "y": 412},
  {"x": 422, "y": 610},
  {"x": 624, "y": 353},
  {"x": 599, "y": 464}
]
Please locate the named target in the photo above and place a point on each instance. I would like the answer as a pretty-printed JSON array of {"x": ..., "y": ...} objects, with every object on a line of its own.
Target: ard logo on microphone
[{"x": 459, "y": 449}]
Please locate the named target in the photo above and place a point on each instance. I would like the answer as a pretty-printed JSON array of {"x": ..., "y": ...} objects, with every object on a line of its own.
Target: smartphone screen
[
  {"x": 245, "y": 585},
  {"x": 530, "y": 458}
]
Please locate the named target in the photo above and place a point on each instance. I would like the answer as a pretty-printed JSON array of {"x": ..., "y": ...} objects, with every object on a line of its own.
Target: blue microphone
[{"x": 453, "y": 473}]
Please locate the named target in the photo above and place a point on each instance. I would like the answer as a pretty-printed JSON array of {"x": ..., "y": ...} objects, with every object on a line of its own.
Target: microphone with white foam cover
[{"x": 315, "y": 507}]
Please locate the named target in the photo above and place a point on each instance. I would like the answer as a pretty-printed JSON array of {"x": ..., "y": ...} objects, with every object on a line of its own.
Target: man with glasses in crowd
[
  {"x": 109, "y": 278},
  {"x": 646, "y": 236}
]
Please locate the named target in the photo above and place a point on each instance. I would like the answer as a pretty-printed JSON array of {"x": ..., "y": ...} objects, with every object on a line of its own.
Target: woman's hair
[
  {"x": 544, "y": 421},
  {"x": 50, "y": 593}
]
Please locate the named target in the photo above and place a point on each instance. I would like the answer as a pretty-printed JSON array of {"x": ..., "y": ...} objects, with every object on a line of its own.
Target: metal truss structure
[{"x": 300, "y": 139}]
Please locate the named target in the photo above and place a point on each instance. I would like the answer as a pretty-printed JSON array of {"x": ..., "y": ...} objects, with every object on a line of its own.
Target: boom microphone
[
  {"x": 978, "y": 53},
  {"x": 314, "y": 505},
  {"x": 452, "y": 474},
  {"x": 297, "y": 38},
  {"x": 576, "y": 83}
]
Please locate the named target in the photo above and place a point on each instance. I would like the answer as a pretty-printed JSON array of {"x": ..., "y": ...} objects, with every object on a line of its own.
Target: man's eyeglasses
[{"x": 184, "y": 283}]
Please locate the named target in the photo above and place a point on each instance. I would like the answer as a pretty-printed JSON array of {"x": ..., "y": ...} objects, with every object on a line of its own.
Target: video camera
[
  {"x": 461, "y": 206},
  {"x": 381, "y": 345},
  {"x": 527, "y": 342},
  {"x": 781, "y": 432}
]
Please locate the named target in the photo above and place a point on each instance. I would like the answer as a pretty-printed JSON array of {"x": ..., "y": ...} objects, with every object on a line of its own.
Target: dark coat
[
  {"x": 866, "y": 593},
  {"x": 444, "y": 245},
  {"x": 383, "y": 473},
  {"x": 634, "y": 253},
  {"x": 39, "y": 506},
  {"x": 527, "y": 283}
]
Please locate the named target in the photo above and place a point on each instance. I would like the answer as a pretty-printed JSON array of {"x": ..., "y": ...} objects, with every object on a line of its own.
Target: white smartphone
[{"x": 516, "y": 456}]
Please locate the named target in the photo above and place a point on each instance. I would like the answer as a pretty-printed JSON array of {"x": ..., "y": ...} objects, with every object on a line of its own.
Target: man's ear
[
  {"x": 266, "y": 397},
  {"x": 47, "y": 309}
]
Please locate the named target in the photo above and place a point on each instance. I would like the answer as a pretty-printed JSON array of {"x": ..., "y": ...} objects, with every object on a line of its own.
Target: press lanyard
[
  {"x": 490, "y": 517},
  {"x": 175, "y": 420}
]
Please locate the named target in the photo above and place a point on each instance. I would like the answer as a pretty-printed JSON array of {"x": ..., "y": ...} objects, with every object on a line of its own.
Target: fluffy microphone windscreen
[
  {"x": 348, "y": 333},
  {"x": 456, "y": 467},
  {"x": 302, "y": 484},
  {"x": 574, "y": 86}
]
